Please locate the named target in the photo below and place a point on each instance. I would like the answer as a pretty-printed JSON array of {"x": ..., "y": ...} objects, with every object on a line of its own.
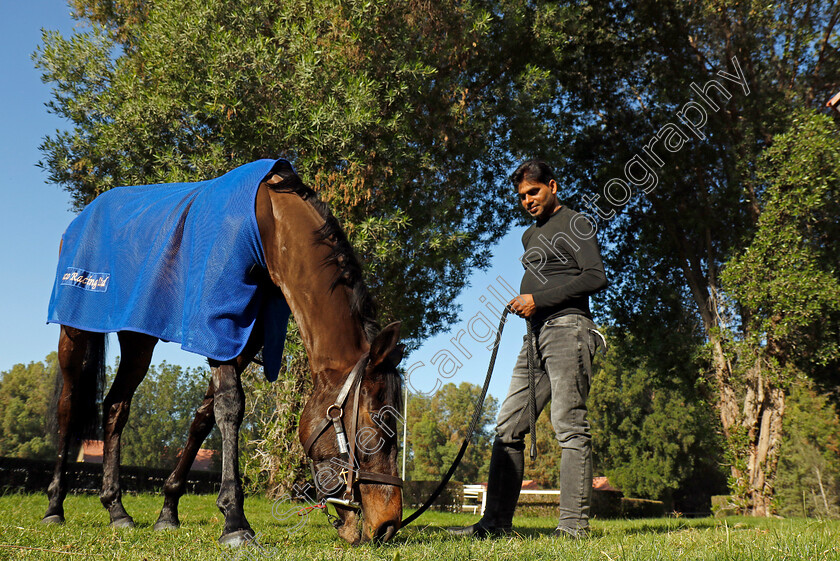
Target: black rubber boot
[{"x": 507, "y": 464}]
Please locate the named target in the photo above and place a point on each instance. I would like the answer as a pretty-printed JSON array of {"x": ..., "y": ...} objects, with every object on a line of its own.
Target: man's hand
[{"x": 523, "y": 305}]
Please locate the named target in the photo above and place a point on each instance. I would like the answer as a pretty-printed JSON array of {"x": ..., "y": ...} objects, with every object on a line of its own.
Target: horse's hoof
[
  {"x": 237, "y": 539},
  {"x": 53, "y": 519},
  {"x": 163, "y": 525},
  {"x": 126, "y": 522}
]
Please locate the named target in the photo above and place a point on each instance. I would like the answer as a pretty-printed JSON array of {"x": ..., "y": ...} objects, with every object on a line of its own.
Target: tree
[
  {"x": 427, "y": 448},
  {"x": 162, "y": 410},
  {"x": 654, "y": 433},
  {"x": 787, "y": 274},
  {"x": 438, "y": 426},
  {"x": 25, "y": 395},
  {"x": 809, "y": 464},
  {"x": 787, "y": 277}
]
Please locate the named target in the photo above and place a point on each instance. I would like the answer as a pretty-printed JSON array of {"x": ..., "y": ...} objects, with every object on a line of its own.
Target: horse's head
[{"x": 363, "y": 404}]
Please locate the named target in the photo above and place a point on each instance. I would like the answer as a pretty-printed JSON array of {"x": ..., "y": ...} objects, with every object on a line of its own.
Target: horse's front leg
[
  {"x": 229, "y": 409},
  {"x": 175, "y": 484},
  {"x": 136, "y": 350}
]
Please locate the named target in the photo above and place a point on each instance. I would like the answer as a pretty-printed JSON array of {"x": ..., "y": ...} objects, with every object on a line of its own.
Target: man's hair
[{"x": 535, "y": 171}]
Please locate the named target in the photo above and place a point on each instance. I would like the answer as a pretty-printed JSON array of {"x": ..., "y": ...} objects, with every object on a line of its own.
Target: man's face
[{"x": 539, "y": 199}]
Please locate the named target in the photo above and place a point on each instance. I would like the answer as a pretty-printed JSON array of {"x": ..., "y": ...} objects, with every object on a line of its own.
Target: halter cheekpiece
[{"x": 346, "y": 440}]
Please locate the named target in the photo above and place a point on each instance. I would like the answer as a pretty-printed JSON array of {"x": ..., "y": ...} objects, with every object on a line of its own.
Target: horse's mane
[{"x": 341, "y": 255}]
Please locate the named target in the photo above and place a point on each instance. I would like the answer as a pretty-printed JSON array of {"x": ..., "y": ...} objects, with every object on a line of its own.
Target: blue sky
[{"x": 34, "y": 215}]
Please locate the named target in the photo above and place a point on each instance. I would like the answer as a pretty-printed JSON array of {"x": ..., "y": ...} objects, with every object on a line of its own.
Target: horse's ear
[
  {"x": 397, "y": 354},
  {"x": 386, "y": 345}
]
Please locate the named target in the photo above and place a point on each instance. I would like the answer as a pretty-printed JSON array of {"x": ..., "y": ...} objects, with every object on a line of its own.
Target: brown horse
[{"x": 310, "y": 260}]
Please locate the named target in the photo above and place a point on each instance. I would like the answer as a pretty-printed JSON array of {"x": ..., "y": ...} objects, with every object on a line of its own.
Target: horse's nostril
[{"x": 385, "y": 532}]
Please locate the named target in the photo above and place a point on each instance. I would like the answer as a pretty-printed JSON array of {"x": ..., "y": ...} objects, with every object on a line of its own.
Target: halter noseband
[{"x": 346, "y": 439}]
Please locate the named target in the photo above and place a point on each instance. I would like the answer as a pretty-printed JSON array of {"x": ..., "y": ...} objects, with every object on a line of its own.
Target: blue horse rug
[{"x": 182, "y": 262}]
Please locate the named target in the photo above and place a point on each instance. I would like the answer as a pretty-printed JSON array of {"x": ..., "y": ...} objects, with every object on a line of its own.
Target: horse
[{"x": 308, "y": 261}]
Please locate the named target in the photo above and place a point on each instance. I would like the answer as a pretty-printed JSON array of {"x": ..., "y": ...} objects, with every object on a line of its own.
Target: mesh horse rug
[{"x": 182, "y": 262}]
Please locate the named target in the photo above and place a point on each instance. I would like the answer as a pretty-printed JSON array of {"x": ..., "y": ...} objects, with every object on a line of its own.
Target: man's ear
[{"x": 386, "y": 345}]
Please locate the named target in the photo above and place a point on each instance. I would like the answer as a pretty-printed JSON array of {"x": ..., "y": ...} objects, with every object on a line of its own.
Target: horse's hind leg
[
  {"x": 136, "y": 350},
  {"x": 81, "y": 358},
  {"x": 175, "y": 484}
]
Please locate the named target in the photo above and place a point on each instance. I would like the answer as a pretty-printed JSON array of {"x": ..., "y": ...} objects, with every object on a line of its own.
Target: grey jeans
[{"x": 563, "y": 375}]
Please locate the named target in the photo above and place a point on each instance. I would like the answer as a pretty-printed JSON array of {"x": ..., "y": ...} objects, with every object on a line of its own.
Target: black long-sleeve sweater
[{"x": 562, "y": 270}]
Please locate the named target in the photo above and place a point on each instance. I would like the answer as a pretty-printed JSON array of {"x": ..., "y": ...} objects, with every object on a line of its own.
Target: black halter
[{"x": 346, "y": 439}]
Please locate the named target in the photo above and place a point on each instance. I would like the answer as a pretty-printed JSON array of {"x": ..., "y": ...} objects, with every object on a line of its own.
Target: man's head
[{"x": 537, "y": 188}]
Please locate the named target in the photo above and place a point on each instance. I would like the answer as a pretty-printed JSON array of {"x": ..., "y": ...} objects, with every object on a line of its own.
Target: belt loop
[{"x": 603, "y": 340}]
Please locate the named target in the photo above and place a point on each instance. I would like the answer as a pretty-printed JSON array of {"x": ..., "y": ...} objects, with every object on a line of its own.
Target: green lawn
[{"x": 86, "y": 535}]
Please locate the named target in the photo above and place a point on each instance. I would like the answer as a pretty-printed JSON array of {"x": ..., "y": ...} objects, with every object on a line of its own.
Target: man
[{"x": 563, "y": 269}]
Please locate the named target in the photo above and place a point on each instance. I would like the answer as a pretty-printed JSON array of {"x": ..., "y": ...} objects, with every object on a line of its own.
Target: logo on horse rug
[
  {"x": 95, "y": 282},
  {"x": 182, "y": 262}
]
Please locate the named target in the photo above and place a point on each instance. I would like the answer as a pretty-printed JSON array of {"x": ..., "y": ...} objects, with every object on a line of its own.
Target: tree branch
[{"x": 824, "y": 45}]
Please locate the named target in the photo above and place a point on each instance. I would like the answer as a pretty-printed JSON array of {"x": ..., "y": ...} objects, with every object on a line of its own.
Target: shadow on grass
[
  {"x": 658, "y": 526},
  {"x": 664, "y": 528}
]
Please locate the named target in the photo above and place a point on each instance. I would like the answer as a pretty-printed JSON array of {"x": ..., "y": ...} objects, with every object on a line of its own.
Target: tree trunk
[
  {"x": 760, "y": 419},
  {"x": 764, "y": 406},
  {"x": 758, "y": 416},
  {"x": 822, "y": 491},
  {"x": 727, "y": 398},
  {"x": 749, "y": 404}
]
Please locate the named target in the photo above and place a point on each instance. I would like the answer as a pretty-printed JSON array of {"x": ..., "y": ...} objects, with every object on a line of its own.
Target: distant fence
[
  {"x": 415, "y": 493},
  {"x": 605, "y": 504},
  {"x": 17, "y": 474}
]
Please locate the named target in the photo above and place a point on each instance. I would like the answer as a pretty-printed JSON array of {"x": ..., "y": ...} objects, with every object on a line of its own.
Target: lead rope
[
  {"x": 476, "y": 415},
  {"x": 532, "y": 388}
]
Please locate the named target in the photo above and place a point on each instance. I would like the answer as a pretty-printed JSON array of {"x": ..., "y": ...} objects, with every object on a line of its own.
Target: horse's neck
[{"x": 332, "y": 336}]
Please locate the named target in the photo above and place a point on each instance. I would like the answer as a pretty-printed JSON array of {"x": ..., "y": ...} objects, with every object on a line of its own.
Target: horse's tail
[{"x": 86, "y": 423}]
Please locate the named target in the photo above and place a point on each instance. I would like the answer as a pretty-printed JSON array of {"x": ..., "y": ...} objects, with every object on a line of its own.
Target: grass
[{"x": 86, "y": 535}]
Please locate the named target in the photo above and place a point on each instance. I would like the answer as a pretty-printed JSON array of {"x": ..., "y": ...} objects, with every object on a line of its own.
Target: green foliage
[
  {"x": 785, "y": 281},
  {"x": 653, "y": 431},
  {"x": 438, "y": 426},
  {"x": 788, "y": 275},
  {"x": 808, "y": 481},
  {"x": 272, "y": 458},
  {"x": 25, "y": 394},
  {"x": 161, "y": 412}
]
